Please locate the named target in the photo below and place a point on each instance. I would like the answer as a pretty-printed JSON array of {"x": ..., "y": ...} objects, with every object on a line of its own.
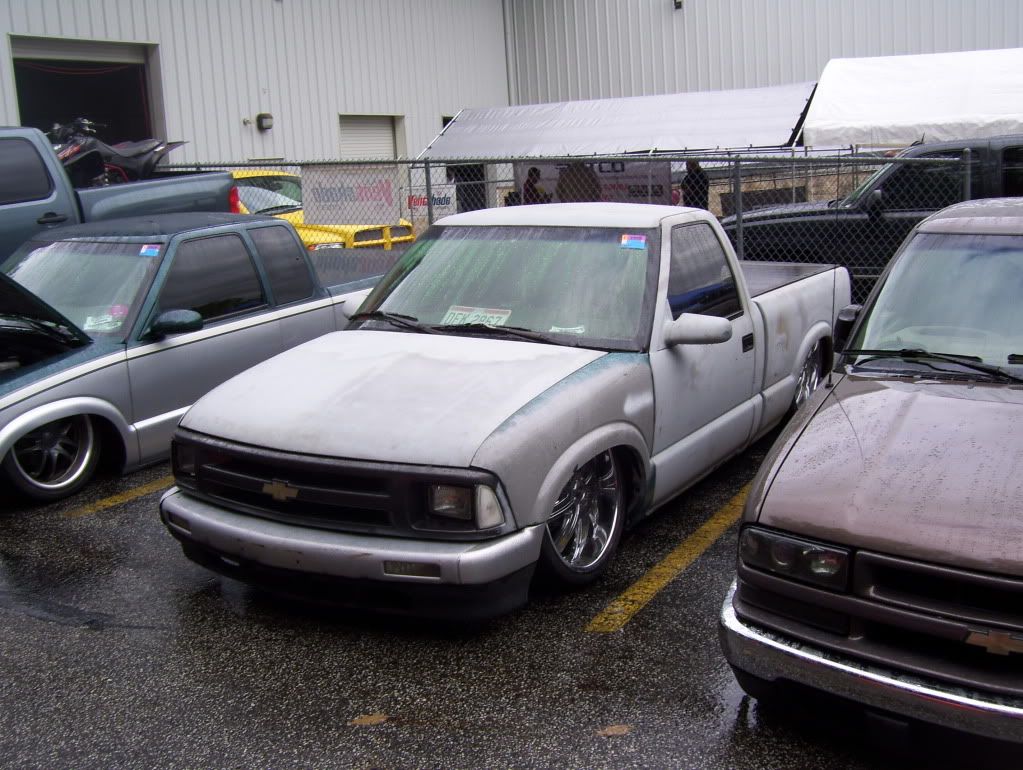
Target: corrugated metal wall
[
  {"x": 561, "y": 50},
  {"x": 304, "y": 61}
]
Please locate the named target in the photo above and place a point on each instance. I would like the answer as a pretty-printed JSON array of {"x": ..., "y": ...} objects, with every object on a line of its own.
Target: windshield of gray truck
[
  {"x": 583, "y": 286},
  {"x": 952, "y": 294},
  {"x": 98, "y": 286}
]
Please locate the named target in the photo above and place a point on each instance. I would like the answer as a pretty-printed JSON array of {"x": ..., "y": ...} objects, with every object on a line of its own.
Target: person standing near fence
[
  {"x": 532, "y": 192},
  {"x": 695, "y": 186}
]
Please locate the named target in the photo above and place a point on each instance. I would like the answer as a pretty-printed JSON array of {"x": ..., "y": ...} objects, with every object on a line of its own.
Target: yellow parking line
[
  {"x": 109, "y": 502},
  {"x": 639, "y": 594}
]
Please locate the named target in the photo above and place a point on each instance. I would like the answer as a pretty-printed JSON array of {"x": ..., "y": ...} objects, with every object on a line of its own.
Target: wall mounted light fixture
[{"x": 264, "y": 121}]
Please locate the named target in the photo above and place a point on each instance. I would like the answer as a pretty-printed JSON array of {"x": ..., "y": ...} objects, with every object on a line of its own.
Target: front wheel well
[
  {"x": 636, "y": 493},
  {"x": 112, "y": 453}
]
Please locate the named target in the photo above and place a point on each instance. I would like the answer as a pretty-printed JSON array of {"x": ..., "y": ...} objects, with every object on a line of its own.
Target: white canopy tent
[
  {"x": 897, "y": 100},
  {"x": 702, "y": 120}
]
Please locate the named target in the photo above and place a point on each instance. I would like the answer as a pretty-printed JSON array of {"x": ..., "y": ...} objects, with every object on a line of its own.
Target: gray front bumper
[
  {"x": 338, "y": 554},
  {"x": 772, "y": 657}
]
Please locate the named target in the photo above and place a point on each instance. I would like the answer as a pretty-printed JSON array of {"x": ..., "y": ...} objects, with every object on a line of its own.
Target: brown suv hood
[{"x": 930, "y": 470}]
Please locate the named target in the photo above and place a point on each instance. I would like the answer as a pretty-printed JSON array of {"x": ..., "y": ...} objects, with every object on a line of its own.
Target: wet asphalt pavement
[{"x": 118, "y": 652}]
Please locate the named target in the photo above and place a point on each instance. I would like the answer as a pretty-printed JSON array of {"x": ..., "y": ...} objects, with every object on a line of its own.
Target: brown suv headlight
[{"x": 793, "y": 557}]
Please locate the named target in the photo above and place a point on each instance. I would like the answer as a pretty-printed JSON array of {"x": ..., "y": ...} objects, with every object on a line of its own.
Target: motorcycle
[{"x": 91, "y": 162}]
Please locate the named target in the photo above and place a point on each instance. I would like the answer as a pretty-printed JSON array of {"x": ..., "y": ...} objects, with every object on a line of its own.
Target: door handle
[
  {"x": 747, "y": 343},
  {"x": 52, "y": 218}
]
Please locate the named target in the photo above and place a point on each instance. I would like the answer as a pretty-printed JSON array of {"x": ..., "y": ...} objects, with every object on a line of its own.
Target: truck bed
[{"x": 762, "y": 277}]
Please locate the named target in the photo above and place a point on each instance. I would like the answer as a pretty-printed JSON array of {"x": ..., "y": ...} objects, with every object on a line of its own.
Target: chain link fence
[{"x": 852, "y": 210}]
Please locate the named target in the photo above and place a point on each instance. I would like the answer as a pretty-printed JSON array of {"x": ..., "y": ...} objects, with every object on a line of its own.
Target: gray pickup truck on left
[
  {"x": 36, "y": 193},
  {"x": 110, "y": 330}
]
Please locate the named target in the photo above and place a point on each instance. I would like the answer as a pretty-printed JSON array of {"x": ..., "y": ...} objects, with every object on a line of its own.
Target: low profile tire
[
  {"x": 586, "y": 523},
  {"x": 54, "y": 460},
  {"x": 810, "y": 376}
]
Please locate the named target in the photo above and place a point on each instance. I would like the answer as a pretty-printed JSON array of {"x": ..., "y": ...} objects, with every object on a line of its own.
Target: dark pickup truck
[
  {"x": 36, "y": 193},
  {"x": 863, "y": 230}
]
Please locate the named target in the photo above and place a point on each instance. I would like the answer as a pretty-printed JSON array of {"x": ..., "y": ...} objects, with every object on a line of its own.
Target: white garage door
[
  {"x": 367, "y": 136},
  {"x": 80, "y": 50}
]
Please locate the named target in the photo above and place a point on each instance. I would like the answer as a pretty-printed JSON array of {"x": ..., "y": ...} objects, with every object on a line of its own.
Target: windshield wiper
[
  {"x": 509, "y": 331},
  {"x": 968, "y": 362},
  {"x": 398, "y": 319},
  {"x": 50, "y": 329}
]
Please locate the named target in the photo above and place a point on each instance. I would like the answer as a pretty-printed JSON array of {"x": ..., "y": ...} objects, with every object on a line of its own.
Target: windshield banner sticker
[
  {"x": 568, "y": 330},
  {"x": 459, "y": 314},
  {"x": 633, "y": 241}
]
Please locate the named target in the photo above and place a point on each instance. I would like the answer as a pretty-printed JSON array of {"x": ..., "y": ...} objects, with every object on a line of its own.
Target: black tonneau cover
[{"x": 762, "y": 277}]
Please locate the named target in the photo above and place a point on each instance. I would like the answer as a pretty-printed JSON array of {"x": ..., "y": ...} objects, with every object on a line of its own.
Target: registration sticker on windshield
[
  {"x": 102, "y": 323},
  {"x": 150, "y": 250},
  {"x": 633, "y": 241},
  {"x": 461, "y": 314}
]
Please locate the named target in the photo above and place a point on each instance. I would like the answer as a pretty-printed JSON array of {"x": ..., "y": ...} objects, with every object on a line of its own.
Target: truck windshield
[
  {"x": 581, "y": 286},
  {"x": 98, "y": 286},
  {"x": 952, "y": 294}
]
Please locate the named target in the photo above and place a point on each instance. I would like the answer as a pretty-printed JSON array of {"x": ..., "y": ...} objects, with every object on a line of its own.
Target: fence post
[
  {"x": 429, "y": 193},
  {"x": 966, "y": 173},
  {"x": 737, "y": 202}
]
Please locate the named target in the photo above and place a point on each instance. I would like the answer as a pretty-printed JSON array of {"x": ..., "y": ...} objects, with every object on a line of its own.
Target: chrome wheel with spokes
[
  {"x": 810, "y": 376},
  {"x": 586, "y": 522},
  {"x": 55, "y": 459}
]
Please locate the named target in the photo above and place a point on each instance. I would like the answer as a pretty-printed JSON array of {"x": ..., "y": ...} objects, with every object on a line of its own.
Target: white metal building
[
  {"x": 351, "y": 78},
  {"x": 377, "y": 78}
]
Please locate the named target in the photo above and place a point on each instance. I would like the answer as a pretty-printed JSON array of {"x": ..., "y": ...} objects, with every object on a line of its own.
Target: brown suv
[{"x": 881, "y": 550}]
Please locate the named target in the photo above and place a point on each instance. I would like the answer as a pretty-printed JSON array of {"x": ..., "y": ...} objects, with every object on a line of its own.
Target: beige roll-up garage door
[
  {"x": 78, "y": 50},
  {"x": 367, "y": 136}
]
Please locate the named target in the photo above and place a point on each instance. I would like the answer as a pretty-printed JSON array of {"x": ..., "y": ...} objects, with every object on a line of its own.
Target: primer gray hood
[
  {"x": 384, "y": 396},
  {"x": 930, "y": 470}
]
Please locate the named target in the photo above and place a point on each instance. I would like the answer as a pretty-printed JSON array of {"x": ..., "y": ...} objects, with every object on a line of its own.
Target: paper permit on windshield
[{"x": 460, "y": 314}]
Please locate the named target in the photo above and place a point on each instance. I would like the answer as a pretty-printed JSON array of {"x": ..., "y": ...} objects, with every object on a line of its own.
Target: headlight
[
  {"x": 318, "y": 246},
  {"x": 452, "y": 502},
  {"x": 183, "y": 462},
  {"x": 454, "y": 508},
  {"x": 806, "y": 560}
]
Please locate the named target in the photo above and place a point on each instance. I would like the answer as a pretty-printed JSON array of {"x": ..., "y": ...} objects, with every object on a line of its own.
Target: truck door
[
  {"x": 289, "y": 274},
  {"x": 29, "y": 197},
  {"x": 703, "y": 393},
  {"x": 216, "y": 277}
]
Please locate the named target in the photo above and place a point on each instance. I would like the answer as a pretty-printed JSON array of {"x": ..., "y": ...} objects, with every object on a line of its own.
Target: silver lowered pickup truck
[{"x": 523, "y": 384}]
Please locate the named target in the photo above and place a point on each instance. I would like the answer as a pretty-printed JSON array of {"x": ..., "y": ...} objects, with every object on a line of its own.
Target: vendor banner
[{"x": 366, "y": 194}]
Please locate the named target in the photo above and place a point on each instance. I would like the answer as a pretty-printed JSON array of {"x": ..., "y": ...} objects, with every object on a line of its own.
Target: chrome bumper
[
  {"x": 338, "y": 554},
  {"x": 772, "y": 657}
]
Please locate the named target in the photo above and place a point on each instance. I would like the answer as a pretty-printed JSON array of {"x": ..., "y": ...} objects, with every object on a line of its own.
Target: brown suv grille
[
  {"x": 959, "y": 626},
  {"x": 968, "y": 596}
]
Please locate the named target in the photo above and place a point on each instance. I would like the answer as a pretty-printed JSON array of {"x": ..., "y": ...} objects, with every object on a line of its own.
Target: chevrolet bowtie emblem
[
  {"x": 996, "y": 642},
  {"x": 280, "y": 491}
]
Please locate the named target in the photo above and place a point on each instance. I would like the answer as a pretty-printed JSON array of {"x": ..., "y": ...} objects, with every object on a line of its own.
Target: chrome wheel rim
[
  {"x": 809, "y": 376},
  {"x": 54, "y": 456},
  {"x": 586, "y": 513}
]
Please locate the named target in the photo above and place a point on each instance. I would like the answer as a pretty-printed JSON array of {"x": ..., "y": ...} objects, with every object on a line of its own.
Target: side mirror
[
  {"x": 875, "y": 201},
  {"x": 844, "y": 323},
  {"x": 694, "y": 329},
  {"x": 175, "y": 322}
]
